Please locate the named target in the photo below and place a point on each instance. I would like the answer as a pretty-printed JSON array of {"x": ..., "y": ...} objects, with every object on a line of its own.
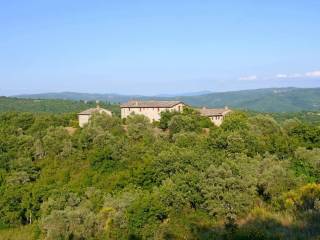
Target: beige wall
[
  {"x": 217, "y": 120},
  {"x": 83, "y": 120},
  {"x": 152, "y": 113}
]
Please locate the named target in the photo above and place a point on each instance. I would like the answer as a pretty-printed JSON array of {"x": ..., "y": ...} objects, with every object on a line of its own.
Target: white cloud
[
  {"x": 280, "y": 75},
  {"x": 294, "y": 75},
  {"x": 248, "y": 78},
  {"x": 313, "y": 74}
]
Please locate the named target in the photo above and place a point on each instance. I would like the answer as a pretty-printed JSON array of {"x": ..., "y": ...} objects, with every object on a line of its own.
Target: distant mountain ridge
[
  {"x": 264, "y": 100},
  {"x": 189, "y": 94},
  {"x": 112, "y": 97}
]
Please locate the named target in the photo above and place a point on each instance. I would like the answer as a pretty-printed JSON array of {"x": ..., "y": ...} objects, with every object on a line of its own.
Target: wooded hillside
[
  {"x": 261, "y": 100},
  {"x": 182, "y": 178},
  {"x": 50, "y": 105}
]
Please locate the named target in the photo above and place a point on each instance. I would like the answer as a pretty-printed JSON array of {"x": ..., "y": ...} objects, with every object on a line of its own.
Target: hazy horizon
[
  {"x": 150, "y": 48},
  {"x": 4, "y": 92},
  {"x": 195, "y": 93}
]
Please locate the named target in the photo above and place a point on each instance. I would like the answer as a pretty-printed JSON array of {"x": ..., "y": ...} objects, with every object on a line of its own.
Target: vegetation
[
  {"x": 261, "y": 100},
  {"x": 181, "y": 178},
  {"x": 50, "y": 106},
  {"x": 307, "y": 117}
]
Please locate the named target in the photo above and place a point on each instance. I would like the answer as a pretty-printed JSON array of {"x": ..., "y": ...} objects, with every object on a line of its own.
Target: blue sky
[{"x": 152, "y": 47}]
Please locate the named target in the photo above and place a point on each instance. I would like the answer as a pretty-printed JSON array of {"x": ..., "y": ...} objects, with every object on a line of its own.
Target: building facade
[
  {"x": 216, "y": 115},
  {"x": 150, "y": 109},
  {"x": 85, "y": 116}
]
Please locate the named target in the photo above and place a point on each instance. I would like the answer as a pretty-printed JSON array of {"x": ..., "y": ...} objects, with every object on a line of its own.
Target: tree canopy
[{"x": 182, "y": 178}]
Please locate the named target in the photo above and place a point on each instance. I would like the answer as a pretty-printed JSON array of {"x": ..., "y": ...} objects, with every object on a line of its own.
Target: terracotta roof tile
[
  {"x": 150, "y": 104},
  {"x": 213, "y": 111}
]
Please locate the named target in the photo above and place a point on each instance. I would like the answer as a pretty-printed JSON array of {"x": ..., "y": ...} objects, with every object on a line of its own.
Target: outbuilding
[
  {"x": 85, "y": 115},
  {"x": 216, "y": 115}
]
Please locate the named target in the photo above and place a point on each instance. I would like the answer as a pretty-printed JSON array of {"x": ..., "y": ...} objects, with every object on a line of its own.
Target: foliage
[
  {"x": 306, "y": 198},
  {"x": 263, "y": 100},
  {"x": 184, "y": 180},
  {"x": 55, "y": 105}
]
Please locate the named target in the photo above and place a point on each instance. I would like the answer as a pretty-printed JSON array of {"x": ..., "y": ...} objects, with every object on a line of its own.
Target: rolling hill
[
  {"x": 263, "y": 100},
  {"x": 49, "y": 105}
]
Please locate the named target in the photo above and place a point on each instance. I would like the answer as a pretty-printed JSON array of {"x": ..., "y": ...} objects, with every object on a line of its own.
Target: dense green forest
[
  {"x": 50, "y": 106},
  {"x": 261, "y": 100},
  {"x": 309, "y": 117},
  {"x": 181, "y": 178}
]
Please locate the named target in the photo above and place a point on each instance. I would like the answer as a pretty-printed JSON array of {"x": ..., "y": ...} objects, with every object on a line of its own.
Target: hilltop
[
  {"x": 8, "y": 104},
  {"x": 262, "y": 100}
]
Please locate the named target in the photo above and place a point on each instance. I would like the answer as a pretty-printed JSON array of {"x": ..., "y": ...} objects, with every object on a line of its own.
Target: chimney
[
  {"x": 203, "y": 108},
  {"x": 98, "y": 105},
  {"x": 226, "y": 108}
]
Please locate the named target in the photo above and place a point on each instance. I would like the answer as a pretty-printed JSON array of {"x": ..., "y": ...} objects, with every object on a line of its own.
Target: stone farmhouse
[
  {"x": 150, "y": 109},
  {"x": 216, "y": 115},
  {"x": 86, "y": 115}
]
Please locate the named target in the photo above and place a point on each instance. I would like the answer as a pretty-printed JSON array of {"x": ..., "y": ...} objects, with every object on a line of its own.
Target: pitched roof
[
  {"x": 213, "y": 111},
  {"x": 150, "y": 104},
  {"x": 91, "y": 111}
]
